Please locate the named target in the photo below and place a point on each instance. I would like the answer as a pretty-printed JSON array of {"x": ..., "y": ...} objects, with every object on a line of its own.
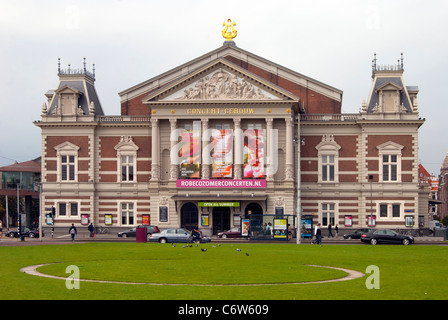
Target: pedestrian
[
  {"x": 336, "y": 230},
  {"x": 329, "y": 231},
  {"x": 91, "y": 229},
  {"x": 73, "y": 232},
  {"x": 319, "y": 235},
  {"x": 1, "y": 228}
]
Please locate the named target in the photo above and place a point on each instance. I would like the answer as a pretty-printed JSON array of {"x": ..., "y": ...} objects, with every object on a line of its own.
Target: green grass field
[{"x": 406, "y": 272}]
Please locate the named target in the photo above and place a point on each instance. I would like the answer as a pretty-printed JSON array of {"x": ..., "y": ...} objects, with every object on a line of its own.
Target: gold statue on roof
[{"x": 229, "y": 31}]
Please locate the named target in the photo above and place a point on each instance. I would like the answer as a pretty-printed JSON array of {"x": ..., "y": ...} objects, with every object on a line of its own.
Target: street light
[
  {"x": 299, "y": 201},
  {"x": 371, "y": 200}
]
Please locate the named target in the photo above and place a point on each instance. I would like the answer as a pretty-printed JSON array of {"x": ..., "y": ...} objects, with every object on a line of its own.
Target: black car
[
  {"x": 31, "y": 233},
  {"x": 357, "y": 233},
  {"x": 386, "y": 236},
  {"x": 133, "y": 232}
]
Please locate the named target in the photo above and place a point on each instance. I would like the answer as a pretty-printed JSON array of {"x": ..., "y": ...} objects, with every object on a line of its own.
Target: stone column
[
  {"x": 269, "y": 149},
  {"x": 174, "y": 167},
  {"x": 155, "y": 150},
  {"x": 289, "y": 161},
  {"x": 238, "y": 149}
]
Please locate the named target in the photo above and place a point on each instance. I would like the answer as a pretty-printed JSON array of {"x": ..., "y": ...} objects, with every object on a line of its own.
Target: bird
[
  {"x": 173, "y": 245},
  {"x": 247, "y": 254},
  {"x": 203, "y": 250},
  {"x": 183, "y": 246},
  {"x": 237, "y": 249},
  {"x": 213, "y": 246}
]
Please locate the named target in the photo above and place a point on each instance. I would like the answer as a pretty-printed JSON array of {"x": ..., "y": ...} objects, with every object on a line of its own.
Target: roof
[
  {"x": 84, "y": 87},
  {"x": 396, "y": 82},
  {"x": 238, "y": 53},
  {"x": 27, "y": 166}
]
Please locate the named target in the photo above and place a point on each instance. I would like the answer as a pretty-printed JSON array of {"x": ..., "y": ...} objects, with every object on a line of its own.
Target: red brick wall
[{"x": 313, "y": 102}]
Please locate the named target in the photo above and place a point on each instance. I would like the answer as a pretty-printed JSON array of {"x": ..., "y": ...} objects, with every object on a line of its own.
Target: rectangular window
[
  {"x": 328, "y": 214},
  {"x": 68, "y": 168},
  {"x": 127, "y": 214},
  {"x": 390, "y": 168},
  {"x": 127, "y": 168},
  {"x": 62, "y": 209},
  {"x": 383, "y": 210},
  {"x": 68, "y": 209},
  {"x": 327, "y": 168},
  {"x": 73, "y": 209},
  {"x": 395, "y": 211}
]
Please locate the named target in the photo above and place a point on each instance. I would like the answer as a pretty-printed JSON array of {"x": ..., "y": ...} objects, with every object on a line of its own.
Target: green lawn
[{"x": 406, "y": 272}]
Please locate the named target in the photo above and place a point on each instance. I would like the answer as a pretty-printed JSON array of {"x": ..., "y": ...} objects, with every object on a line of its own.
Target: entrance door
[
  {"x": 221, "y": 219},
  {"x": 188, "y": 216}
]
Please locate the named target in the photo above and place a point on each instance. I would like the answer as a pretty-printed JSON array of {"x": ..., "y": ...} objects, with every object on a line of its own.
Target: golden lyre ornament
[{"x": 229, "y": 31}]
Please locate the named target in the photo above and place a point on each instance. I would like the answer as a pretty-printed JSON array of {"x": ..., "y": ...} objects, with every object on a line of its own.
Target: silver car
[{"x": 174, "y": 235}]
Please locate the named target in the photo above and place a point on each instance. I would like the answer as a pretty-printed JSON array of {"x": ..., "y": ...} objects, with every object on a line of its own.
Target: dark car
[
  {"x": 232, "y": 233},
  {"x": 386, "y": 236},
  {"x": 133, "y": 232},
  {"x": 356, "y": 234},
  {"x": 31, "y": 233}
]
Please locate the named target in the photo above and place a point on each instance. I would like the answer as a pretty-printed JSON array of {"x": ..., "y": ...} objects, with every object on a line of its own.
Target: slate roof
[
  {"x": 404, "y": 96},
  {"x": 87, "y": 90}
]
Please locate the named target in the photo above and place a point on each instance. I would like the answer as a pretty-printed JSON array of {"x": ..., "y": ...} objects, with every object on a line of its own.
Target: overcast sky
[{"x": 130, "y": 41}]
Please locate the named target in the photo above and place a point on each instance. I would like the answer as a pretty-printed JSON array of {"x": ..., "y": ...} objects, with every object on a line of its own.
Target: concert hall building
[{"x": 231, "y": 135}]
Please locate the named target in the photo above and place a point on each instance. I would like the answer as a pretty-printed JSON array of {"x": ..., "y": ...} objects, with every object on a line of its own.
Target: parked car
[
  {"x": 356, "y": 234},
  {"x": 386, "y": 236},
  {"x": 133, "y": 232},
  {"x": 232, "y": 233},
  {"x": 174, "y": 235},
  {"x": 31, "y": 233}
]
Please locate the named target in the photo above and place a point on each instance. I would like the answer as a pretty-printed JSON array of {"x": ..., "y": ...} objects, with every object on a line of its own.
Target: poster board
[{"x": 280, "y": 229}]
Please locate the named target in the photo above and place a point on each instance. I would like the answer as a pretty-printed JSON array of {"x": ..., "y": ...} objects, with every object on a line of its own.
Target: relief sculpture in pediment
[{"x": 222, "y": 85}]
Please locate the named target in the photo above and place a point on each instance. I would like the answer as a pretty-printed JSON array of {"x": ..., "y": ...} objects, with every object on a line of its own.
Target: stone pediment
[{"x": 220, "y": 81}]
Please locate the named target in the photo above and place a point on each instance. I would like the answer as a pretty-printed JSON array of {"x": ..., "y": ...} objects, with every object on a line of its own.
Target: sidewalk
[{"x": 80, "y": 238}]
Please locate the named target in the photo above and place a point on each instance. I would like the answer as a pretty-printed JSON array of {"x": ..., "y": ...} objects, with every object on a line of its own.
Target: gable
[
  {"x": 219, "y": 80},
  {"x": 314, "y": 96}
]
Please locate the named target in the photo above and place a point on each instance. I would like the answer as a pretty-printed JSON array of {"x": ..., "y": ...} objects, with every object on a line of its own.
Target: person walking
[
  {"x": 329, "y": 231},
  {"x": 73, "y": 232},
  {"x": 318, "y": 235},
  {"x": 336, "y": 231},
  {"x": 91, "y": 229}
]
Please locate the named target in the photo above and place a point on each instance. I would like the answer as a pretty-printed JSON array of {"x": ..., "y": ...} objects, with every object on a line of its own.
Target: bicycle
[{"x": 102, "y": 230}]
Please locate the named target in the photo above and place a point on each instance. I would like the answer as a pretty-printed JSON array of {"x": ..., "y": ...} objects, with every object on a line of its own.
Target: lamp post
[
  {"x": 299, "y": 200},
  {"x": 371, "y": 200}
]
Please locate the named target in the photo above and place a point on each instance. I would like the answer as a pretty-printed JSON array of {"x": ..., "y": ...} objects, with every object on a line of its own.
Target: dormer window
[{"x": 68, "y": 100}]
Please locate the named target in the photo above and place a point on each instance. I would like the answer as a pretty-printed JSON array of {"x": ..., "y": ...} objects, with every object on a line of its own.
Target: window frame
[
  {"x": 68, "y": 150},
  {"x": 126, "y": 148},
  {"x": 127, "y": 210},
  {"x": 68, "y": 205},
  {"x": 389, "y": 149},
  {"x": 328, "y": 148}
]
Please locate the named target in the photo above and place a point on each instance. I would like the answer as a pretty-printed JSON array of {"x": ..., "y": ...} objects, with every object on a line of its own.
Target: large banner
[
  {"x": 189, "y": 154},
  {"x": 254, "y": 153},
  {"x": 222, "y": 154}
]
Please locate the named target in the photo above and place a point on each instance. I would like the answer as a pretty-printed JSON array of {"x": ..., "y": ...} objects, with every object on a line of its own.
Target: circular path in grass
[{"x": 351, "y": 275}]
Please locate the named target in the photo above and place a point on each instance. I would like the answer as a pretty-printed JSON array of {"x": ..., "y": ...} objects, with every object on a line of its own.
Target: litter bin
[{"x": 140, "y": 235}]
